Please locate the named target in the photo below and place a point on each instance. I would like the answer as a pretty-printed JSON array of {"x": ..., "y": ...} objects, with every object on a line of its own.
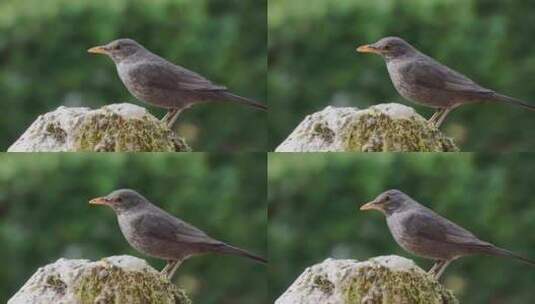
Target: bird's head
[
  {"x": 388, "y": 202},
  {"x": 121, "y": 200},
  {"x": 118, "y": 49},
  {"x": 388, "y": 48}
]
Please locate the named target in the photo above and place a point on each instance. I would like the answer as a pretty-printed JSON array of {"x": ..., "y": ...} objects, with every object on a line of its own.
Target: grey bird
[
  {"x": 156, "y": 233},
  {"x": 156, "y": 81},
  {"x": 424, "y": 233},
  {"x": 423, "y": 80}
]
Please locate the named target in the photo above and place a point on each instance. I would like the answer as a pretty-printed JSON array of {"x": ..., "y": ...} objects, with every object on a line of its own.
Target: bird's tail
[
  {"x": 506, "y": 253},
  {"x": 228, "y": 249},
  {"x": 245, "y": 101},
  {"x": 513, "y": 101}
]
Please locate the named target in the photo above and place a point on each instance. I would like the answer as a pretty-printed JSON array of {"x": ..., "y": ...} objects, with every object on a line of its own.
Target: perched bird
[
  {"x": 421, "y": 79},
  {"x": 154, "y": 80},
  {"x": 424, "y": 233},
  {"x": 157, "y": 233}
]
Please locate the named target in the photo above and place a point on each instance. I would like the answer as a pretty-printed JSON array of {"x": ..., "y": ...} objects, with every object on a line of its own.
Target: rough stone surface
[
  {"x": 114, "y": 128},
  {"x": 380, "y": 280},
  {"x": 380, "y": 128},
  {"x": 117, "y": 279}
]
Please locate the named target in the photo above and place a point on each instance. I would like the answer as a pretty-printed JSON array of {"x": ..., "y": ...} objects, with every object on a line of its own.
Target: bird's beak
[
  {"x": 373, "y": 205},
  {"x": 101, "y": 49},
  {"x": 99, "y": 201},
  {"x": 367, "y": 49}
]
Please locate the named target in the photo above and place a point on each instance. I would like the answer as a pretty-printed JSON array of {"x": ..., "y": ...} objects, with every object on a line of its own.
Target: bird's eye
[
  {"x": 118, "y": 200},
  {"x": 387, "y": 47},
  {"x": 117, "y": 47},
  {"x": 387, "y": 198}
]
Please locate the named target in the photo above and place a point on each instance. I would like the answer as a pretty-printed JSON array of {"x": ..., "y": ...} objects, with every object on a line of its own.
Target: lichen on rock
[
  {"x": 380, "y": 128},
  {"x": 118, "y": 279},
  {"x": 113, "y": 128},
  {"x": 380, "y": 280}
]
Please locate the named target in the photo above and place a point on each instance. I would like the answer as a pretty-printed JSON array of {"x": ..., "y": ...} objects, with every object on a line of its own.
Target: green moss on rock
[
  {"x": 380, "y": 285},
  {"x": 110, "y": 284},
  {"x": 119, "y": 127},
  {"x": 323, "y": 283},
  {"x": 55, "y": 130},
  {"x": 109, "y": 132},
  {"x": 380, "y": 280},
  {"x": 55, "y": 282},
  {"x": 377, "y": 132},
  {"x": 380, "y": 128}
]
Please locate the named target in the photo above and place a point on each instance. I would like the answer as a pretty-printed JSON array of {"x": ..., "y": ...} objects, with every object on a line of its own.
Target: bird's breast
[
  {"x": 136, "y": 237},
  {"x": 406, "y": 85}
]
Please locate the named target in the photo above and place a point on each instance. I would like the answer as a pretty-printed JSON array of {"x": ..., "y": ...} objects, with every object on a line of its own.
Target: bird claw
[
  {"x": 438, "y": 268},
  {"x": 170, "y": 117},
  {"x": 170, "y": 268}
]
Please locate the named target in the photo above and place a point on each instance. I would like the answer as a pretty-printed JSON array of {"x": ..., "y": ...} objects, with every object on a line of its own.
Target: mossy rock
[
  {"x": 113, "y": 128},
  {"x": 110, "y": 284},
  {"x": 381, "y": 128},
  {"x": 112, "y": 280},
  {"x": 381, "y": 280},
  {"x": 109, "y": 132},
  {"x": 379, "y": 284}
]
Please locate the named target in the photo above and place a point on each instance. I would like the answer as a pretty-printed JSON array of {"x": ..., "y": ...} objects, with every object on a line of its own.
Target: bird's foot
[
  {"x": 438, "y": 118},
  {"x": 436, "y": 271},
  {"x": 170, "y": 117},
  {"x": 170, "y": 113},
  {"x": 433, "y": 120},
  {"x": 167, "y": 267},
  {"x": 170, "y": 268}
]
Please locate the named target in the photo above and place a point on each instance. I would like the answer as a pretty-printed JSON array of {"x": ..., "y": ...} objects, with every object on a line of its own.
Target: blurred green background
[
  {"x": 44, "y": 61},
  {"x": 313, "y": 214},
  {"x": 313, "y": 62},
  {"x": 44, "y": 214}
]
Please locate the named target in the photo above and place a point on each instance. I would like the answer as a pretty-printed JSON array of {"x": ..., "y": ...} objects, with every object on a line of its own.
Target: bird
[
  {"x": 424, "y": 233},
  {"x": 423, "y": 80},
  {"x": 156, "y": 233},
  {"x": 156, "y": 81}
]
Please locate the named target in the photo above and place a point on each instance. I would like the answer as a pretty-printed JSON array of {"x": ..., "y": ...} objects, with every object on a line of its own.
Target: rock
[
  {"x": 380, "y": 128},
  {"x": 380, "y": 280},
  {"x": 117, "y": 279},
  {"x": 112, "y": 128}
]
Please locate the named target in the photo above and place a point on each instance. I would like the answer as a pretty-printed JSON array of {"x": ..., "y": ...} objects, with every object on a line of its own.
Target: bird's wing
[
  {"x": 171, "y": 77},
  {"x": 169, "y": 228},
  {"x": 433, "y": 227},
  {"x": 429, "y": 73}
]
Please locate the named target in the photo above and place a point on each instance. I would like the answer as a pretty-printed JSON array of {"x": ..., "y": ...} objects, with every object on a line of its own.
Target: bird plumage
[
  {"x": 423, "y": 232},
  {"x": 423, "y": 80},
  {"x": 154, "y": 80},
  {"x": 154, "y": 232}
]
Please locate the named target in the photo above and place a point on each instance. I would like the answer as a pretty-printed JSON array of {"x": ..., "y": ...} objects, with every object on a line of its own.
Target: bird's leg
[
  {"x": 433, "y": 269},
  {"x": 442, "y": 117},
  {"x": 173, "y": 117},
  {"x": 171, "y": 273},
  {"x": 168, "y": 116},
  {"x": 435, "y": 116},
  {"x": 437, "y": 269},
  {"x": 440, "y": 270},
  {"x": 170, "y": 264}
]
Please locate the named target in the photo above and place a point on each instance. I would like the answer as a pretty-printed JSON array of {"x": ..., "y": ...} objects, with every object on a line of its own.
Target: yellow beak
[
  {"x": 98, "y": 50},
  {"x": 371, "y": 206},
  {"x": 367, "y": 49},
  {"x": 99, "y": 201}
]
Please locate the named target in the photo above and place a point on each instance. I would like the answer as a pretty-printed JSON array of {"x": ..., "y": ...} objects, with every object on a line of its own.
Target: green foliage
[
  {"x": 44, "y": 214},
  {"x": 313, "y": 62},
  {"x": 45, "y": 64},
  {"x": 313, "y": 210}
]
